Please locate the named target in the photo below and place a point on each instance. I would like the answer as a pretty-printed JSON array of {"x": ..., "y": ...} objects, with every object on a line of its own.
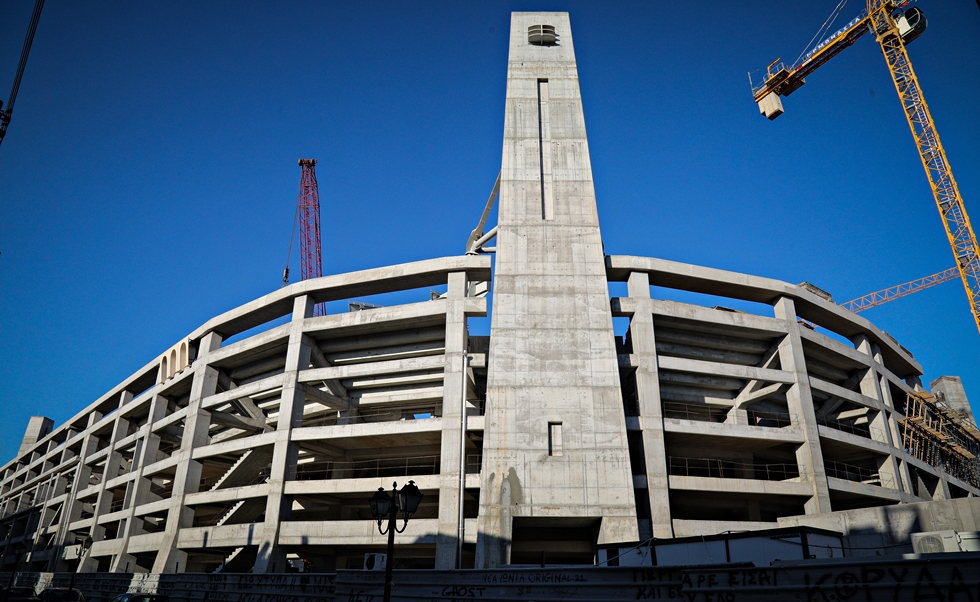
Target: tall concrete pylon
[{"x": 555, "y": 453}]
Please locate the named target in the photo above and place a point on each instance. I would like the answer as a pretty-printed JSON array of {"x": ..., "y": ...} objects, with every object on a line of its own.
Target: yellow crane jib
[
  {"x": 893, "y": 28},
  {"x": 901, "y": 290}
]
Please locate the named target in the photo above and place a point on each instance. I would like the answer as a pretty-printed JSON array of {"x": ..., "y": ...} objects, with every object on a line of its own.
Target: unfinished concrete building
[{"x": 258, "y": 438}]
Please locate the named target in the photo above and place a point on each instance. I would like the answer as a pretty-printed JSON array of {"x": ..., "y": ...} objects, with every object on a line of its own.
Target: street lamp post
[
  {"x": 18, "y": 550},
  {"x": 407, "y": 501},
  {"x": 85, "y": 545}
]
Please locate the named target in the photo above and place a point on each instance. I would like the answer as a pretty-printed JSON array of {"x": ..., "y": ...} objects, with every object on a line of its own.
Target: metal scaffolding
[{"x": 935, "y": 434}]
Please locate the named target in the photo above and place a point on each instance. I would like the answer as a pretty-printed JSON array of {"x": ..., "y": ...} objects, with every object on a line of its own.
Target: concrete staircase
[
  {"x": 244, "y": 471},
  {"x": 228, "y": 514},
  {"x": 244, "y": 511},
  {"x": 239, "y": 561}
]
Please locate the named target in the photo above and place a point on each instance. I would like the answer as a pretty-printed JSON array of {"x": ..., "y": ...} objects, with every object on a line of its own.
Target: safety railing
[
  {"x": 474, "y": 463},
  {"x": 362, "y": 469},
  {"x": 706, "y": 413},
  {"x": 773, "y": 69},
  {"x": 727, "y": 469},
  {"x": 382, "y": 413},
  {"x": 849, "y": 472},
  {"x": 694, "y": 411},
  {"x": 770, "y": 419},
  {"x": 117, "y": 505}
]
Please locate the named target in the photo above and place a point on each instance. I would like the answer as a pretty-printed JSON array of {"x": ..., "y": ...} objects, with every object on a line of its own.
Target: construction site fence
[{"x": 952, "y": 576}]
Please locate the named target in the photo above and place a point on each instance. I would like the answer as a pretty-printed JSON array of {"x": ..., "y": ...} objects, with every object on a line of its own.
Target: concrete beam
[
  {"x": 426, "y": 483},
  {"x": 744, "y": 399},
  {"x": 752, "y": 486},
  {"x": 250, "y": 390},
  {"x": 420, "y": 274},
  {"x": 866, "y": 490},
  {"x": 351, "y": 371},
  {"x": 846, "y": 394},
  {"x": 239, "y": 422},
  {"x": 699, "y": 279},
  {"x": 324, "y": 398},
  {"x": 419, "y": 531},
  {"x": 719, "y": 369},
  {"x": 733, "y": 432},
  {"x": 318, "y": 360},
  {"x": 253, "y": 345},
  {"x": 231, "y": 494}
]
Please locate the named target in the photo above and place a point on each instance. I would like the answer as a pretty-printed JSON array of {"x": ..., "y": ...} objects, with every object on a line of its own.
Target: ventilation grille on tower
[{"x": 541, "y": 35}]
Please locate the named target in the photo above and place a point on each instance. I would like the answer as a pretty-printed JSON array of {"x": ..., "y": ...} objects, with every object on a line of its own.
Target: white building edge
[{"x": 238, "y": 456}]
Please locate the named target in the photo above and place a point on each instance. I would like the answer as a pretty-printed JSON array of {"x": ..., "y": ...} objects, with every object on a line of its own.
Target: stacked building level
[{"x": 254, "y": 443}]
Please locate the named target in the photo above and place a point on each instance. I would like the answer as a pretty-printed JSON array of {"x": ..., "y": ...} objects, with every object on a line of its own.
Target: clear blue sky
[{"x": 148, "y": 179}]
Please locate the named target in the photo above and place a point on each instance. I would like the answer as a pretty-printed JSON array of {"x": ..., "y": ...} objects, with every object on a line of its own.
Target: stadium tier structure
[{"x": 257, "y": 440}]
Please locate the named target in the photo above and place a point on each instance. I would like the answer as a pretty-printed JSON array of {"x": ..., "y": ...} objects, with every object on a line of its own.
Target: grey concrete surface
[{"x": 552, "y": 362}]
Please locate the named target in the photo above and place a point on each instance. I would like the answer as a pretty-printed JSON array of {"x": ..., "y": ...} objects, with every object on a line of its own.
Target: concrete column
[
  {"x": 884, "y": 428},
  {"x": 196, "y": 423},
  {"x": 113, "y": 460},
  {"x": 271, "y": 558},
  {"x": 896, "y": 434},
  {"x": 453, "y": 406},
  {"x": 552, "y": 365},
  {"x": 73, "y": 508},
  {"x": 102, "y": 501},
  {"x": 879, "y": 390},
  {"x": 799, "y": 401},
  {"x": 651, "y": 411},
  {"x": 139, "y": 488}
]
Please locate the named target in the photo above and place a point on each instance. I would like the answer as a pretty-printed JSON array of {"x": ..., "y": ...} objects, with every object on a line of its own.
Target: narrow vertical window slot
[
  {"x": 544, "y": 146},
  {"x": 554, "y": 439}
]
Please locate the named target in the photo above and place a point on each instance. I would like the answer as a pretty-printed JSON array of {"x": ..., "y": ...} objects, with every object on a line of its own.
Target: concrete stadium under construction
[{"x": 257, "y": 439}]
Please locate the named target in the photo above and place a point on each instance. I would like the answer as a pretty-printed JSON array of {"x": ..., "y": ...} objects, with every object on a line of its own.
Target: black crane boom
[{"x": 5, "y": 114}]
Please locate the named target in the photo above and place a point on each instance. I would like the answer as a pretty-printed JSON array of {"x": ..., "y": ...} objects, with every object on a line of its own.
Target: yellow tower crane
[
  {"x": 898, "y": 291},
  {"x": 893, "y": 28}
]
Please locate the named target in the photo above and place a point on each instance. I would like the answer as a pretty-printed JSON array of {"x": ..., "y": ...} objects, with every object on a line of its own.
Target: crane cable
[
  {"x": 5, "y": 115},
  {"x": 824, "y": 28},
  {"x": 289, "y": 256}
]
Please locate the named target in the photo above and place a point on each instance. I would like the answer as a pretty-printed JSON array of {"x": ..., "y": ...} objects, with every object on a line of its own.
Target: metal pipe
[
  {"x": 484, "y": 239},
  {"x": 471, "y": 245}
]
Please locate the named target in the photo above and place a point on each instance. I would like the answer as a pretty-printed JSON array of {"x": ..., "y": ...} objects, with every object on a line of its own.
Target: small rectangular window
[{"x": 554, "y": 439}]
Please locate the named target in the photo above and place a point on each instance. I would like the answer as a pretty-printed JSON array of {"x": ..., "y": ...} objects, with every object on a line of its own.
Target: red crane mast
[{"x": 309, "y": 228}]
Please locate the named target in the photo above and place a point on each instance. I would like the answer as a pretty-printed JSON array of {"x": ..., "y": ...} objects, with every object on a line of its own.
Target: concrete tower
[{"x": 556, "y": 476}]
